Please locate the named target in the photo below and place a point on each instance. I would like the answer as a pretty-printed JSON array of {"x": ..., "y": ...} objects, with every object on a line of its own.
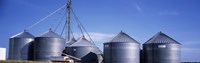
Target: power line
[
  {"x": 45, "y": 17},
  {"x": 81, "y": 26},
  {"x": 59, "y": 22}
]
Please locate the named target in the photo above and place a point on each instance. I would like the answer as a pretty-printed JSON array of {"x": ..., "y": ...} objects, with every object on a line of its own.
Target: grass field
[{"x": 18, "y": 61}]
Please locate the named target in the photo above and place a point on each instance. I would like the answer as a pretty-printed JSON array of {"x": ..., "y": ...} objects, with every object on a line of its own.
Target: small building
[{"x": 2, "y": 53}]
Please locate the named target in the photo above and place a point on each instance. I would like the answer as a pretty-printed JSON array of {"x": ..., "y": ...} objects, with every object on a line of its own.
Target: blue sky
[{"x": 141, "y": 19}]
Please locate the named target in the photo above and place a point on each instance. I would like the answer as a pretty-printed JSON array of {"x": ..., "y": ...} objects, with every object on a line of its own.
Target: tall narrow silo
[
  {"x": 48, "y": 45},
  {"x": 86, "y": 51},
  {"x": 162, "y": 49},
  {"x": 20, "y": 46},
  {"x": 122, "y": 49}
]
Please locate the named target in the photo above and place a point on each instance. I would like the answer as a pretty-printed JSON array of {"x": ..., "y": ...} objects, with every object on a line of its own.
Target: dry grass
[{"x": 19, "y": 61}]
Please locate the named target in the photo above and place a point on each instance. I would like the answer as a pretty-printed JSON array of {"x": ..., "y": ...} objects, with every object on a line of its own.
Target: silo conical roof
[
  {"x": 73, "y": 40},
  {"x": 161, "y": 38},
  {"x": 50, "y": 33},
  {"x": 24, "y": 34},
  {"x": 82, "y": 42},
  {"x": 123, "y": 37},
  {"x": 97, "y": 51}
]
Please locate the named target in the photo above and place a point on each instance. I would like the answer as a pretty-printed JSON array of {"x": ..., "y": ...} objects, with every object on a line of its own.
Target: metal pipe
[{"x": 68, "y": 19}]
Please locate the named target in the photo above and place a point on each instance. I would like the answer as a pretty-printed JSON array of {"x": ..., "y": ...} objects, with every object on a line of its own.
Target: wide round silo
[
  {"x": 20, "y": 46},
  {"x": 86, "y": 51},
  {"x": 48, "y": 45},
  {"x": 122, "y": 49},
  {"x": 162, "y": 49}
]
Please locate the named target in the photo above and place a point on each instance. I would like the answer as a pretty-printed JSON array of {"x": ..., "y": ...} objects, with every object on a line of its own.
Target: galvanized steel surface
[
  {"x": 124, "y": 49},
  {"x": 85, "y": 50},
  {"x": 20, "y": 46},
  {"x": 161, "y": 38},
  {"x": 47, "y": 46},
  {"x": 44, "y": 48},
  {"x": 84, "y": 53},
  {"x": 123, "y": 37},
  {"x": 162, "y": 53},
  {"x": 66, "y": 50},
  {"x": 72, "y": 41},
  {"x": 50, "y": 33},
  {"x": 121, "y": 52},
  {"x": 162, "y": 49},
  {"x": 23, "y": 34},
  {"x": 82, "y": 42}
]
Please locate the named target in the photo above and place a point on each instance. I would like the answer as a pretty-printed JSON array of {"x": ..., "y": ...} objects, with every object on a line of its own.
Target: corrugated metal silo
[
  {"x": 20, "y": 46},
  {"x": 122, "y": 49},
  {"x": 66, "y": 50},
  {"x": 73, "y": 40},
  {"x": 86, "y": 51},
  {"x": 162, "y": 49},
  {"x": 48, "y": 45}
]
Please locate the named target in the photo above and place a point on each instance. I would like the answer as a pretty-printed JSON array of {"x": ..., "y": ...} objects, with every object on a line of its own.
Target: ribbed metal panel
[
  {"x": 50, "y": 33},
  {"x": 20, "y": 46},
  {"x": 82, "y": 42},
  {"x": 123, "y": 37},
  {"x": 162, "y": 49},
  {"x": 85, "y": 50},
  {"x": 73, "y": 40},
  {"x": 48, "y": 45},
  {"x": 124, "y": 49},
  {"x": 66, "y": 50},
  {"x": 161, "y": 38},
  {"x": 24, "y": 34}
]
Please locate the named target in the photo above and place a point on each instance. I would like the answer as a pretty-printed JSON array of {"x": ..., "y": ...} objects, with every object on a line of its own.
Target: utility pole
[{"x": 68, "y": 20}]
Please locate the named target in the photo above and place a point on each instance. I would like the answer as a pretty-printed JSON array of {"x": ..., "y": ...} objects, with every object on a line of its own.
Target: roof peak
[
  {"x": 50, "y": 33},
  {"x": 122, "y": 37},
  {"x": 161, "y": 37},
  {"x": 83, "y": 42},
  {"x": 25, "y": 30},
  {"x": 23, "y": 34},
  {"x": 71, "y": 41}
]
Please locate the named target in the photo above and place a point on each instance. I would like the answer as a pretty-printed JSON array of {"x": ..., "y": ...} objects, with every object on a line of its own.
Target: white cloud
[
  {"x": 190, "y": 42},
  {"x": 190, "y": 50},
  {"x": 97, "y": 37},
  {"x": 169, "y": 12},
  {"x": 138, "y": 8},
  {"x": 100, "y": 36}
]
